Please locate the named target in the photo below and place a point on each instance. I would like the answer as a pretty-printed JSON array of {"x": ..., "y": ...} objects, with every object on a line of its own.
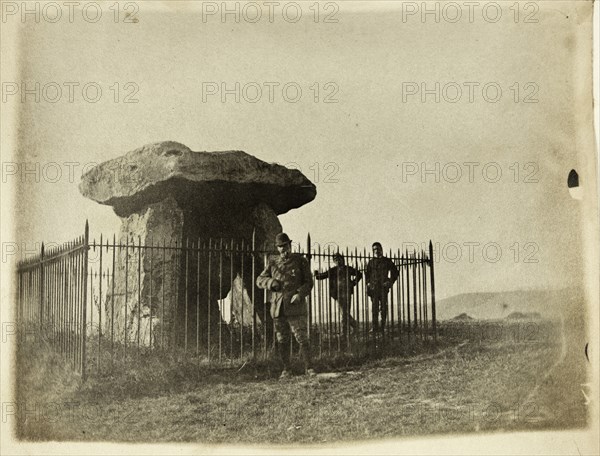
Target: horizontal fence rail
[{"x": 99, "y": 301}]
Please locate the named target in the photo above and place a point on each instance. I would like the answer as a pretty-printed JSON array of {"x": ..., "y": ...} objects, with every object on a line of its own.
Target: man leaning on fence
[
  {"x": 380, "y": 276},
  {"x": 342, "y": 280},
  {"x": 289, "y": 279}
]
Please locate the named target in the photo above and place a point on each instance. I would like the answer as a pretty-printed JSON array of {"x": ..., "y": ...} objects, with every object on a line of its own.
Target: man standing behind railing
[
  {"x": 342, "y": 280},
  {"x": 380, "y": 275},
  {"x": 289, "y": 279}
]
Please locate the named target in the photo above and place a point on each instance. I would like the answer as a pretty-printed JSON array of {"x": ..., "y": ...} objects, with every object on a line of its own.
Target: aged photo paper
[{"x": 329, "y": 227}]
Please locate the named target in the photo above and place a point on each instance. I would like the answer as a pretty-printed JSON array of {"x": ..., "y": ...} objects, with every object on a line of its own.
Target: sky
[{"x": 497, "y": 210}]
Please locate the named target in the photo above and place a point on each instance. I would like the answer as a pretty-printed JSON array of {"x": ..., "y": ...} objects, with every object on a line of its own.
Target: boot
[
  {"x": 306, "y": 358},
  {"x": 375, "y": 327},
  {"x": 284, "y": 354},
  {"x": 344, "y": 330}
]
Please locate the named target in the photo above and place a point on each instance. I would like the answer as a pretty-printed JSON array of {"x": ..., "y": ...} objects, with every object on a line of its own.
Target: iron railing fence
[
  {"x": 96, "y": 301},
  {"x": 52, "y": 299}
]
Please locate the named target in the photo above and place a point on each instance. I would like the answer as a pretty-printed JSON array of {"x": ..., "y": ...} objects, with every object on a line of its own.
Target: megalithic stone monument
[{"x": 166, "y": 194}]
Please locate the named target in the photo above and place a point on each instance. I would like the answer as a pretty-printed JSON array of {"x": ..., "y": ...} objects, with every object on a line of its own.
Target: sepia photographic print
[{"x": 299, "y": 227}]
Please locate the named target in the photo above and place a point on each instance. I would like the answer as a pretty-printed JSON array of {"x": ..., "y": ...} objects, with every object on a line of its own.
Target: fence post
[
  {"x": 254, "y": 294},
  {"x": 309, "y": 300},
  {"x": 41, "y": 310},
  {"x": 86, "y": 241},
  {"x": 409, "y": 327},
  {"x": 433, "y": 320}
]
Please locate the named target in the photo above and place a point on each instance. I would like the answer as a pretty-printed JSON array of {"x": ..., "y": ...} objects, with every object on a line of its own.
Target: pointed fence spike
[{"x": 430, "y": 252}]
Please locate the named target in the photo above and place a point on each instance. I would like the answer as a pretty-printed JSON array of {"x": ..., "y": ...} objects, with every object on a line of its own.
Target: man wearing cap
[
  {"x": 342, "y": 280},
  {"x": 380, "y": 275},
  {"x": 289, "y": 279}
]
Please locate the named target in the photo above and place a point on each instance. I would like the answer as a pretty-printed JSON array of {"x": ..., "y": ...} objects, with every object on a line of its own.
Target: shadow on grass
[{"x": 133, "y": 374}]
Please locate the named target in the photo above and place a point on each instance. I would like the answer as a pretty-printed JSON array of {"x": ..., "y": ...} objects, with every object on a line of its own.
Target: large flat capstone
[{"x": 201, "y": 180}]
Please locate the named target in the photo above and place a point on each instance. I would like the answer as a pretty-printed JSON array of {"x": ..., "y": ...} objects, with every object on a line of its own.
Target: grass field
[{"x": 482, "y": 377}]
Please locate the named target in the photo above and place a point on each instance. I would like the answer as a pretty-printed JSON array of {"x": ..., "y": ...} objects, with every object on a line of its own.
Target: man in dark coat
[
  {"x": 380, "y": 275},
  {"x": 289, "y": 279},
  {"x": 342, "y": 280}
]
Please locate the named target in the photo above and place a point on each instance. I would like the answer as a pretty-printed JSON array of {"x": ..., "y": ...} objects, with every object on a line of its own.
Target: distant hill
[
  {"x": 547, "y": 303},
  {"x": 463, "y": 316}
]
